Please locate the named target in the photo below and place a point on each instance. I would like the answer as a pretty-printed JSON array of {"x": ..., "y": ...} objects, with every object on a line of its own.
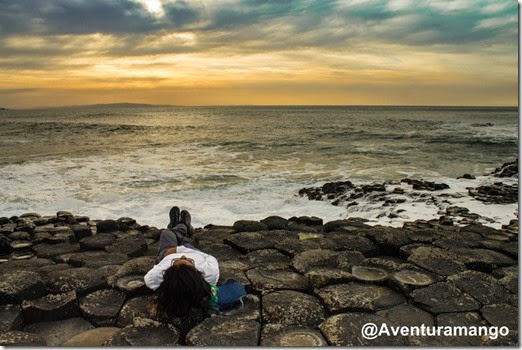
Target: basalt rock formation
[{"x": 67, "y": 280}]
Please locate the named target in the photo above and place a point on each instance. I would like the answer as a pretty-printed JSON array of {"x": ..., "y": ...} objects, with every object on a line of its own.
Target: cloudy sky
[{"x": 221, "y": 52}]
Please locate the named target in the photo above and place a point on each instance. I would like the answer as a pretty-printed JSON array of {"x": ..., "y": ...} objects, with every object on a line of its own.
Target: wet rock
[
  {"x": 425, "y": 185},
  {"x": 264, "y": 280},
  {"x": 249, "y": 226},
  {"x": 17, "y": 338},
  {"x": 498, "y": 193},
  {"x": 508, "y": 169},
  {"x": 52, "y": 307},
  {"x": 270, "y": 259},
  {"x": 510, "y": 282},
  {"x": 145, "y": 332},
  {"x": 481, "y": 286},
  {"x": 358, "y": 297},
  {"x": 131, "y": 246},
  {"x": 11, "y": 318},
  {"x": 91, "y": 338},
  {"x": 101, "y": 307},
  {"x": 423, "y": 236},
  {"x": 345, "y": 330},
  {"x": 126, "y": 223},
  {"x": 82, "y": 280},
  {"x": 321, "y": 276},
  {"x": 408, "y": 315},
  {"x": 107, "y": 226},
  {"x": 369, "y": 274},
  {"x": 96, "y": 259},
  {"x": 49, "y": 251},
  {"x": 132, "y": 285},
  {"x": 275, "y": 223},
  {"x": 224, "y": 331},
  {"x": 56, "y": 333},
  {"x": 437, "y": 260},
  {"x": 292, "y": 308},
  {"x": 444, "y": 297},
  {"x": 501, "y": 315},
  {"x": 97, "y": 242},
  {"x": 281, "y": 335},
  {"x": 251, "y": 311},
  {"x": 16, "y": 286}
]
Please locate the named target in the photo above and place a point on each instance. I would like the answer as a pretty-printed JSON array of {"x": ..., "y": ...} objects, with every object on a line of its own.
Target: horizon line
[{"x": 137, "y": 104}]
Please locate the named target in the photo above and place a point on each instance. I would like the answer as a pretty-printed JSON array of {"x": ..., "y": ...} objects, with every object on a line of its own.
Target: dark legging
[{"x": 172, "y": 238}]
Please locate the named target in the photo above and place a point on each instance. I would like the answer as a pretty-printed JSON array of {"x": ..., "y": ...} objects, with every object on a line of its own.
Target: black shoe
[
  {"x": 174, "y": 216},
  {"x": 185, "y": 219}
]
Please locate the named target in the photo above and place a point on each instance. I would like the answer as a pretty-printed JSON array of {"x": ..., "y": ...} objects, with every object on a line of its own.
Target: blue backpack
[{"x": 230, "y": 296}]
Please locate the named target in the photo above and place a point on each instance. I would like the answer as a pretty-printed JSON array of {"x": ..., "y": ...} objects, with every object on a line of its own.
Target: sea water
[{"x": 244, "y": 162}]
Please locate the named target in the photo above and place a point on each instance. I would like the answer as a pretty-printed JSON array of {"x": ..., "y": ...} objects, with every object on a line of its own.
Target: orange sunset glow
[{"x": 383, "y": 52}]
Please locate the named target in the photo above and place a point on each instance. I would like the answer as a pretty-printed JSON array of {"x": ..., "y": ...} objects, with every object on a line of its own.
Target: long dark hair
[{"x": 183, "y": 287}]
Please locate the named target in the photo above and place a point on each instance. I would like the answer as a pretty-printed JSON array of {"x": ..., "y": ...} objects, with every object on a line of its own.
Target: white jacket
[{"x": 206, "y": 264}]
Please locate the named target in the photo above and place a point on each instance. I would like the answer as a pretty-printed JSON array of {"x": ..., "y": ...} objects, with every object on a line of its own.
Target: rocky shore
[
  {"x": 67, "y": 280},
  {"x": 387, "y": 198}
]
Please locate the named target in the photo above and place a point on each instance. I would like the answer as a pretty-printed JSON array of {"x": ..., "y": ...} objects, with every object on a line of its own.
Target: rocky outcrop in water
[
  {"x": 386, "y": 198},
  {"x": 67, "y": 280}
]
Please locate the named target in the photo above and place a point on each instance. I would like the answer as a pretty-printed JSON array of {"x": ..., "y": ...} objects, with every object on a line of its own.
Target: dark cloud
[{"x": 256, "y": 25}]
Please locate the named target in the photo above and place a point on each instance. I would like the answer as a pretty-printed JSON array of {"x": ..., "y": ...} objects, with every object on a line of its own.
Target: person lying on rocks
[{"x": 183, "y": 277}]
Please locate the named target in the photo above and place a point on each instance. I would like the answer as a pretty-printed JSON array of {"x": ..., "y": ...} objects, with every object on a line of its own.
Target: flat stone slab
[
  {"x": 16, "y": 286},
  {"x": 483, "y": 259},
  {"x": 388, "y": 239},
  {"x": 267, "y": 280},
  {"x": 409, "y": 279},
  {"x": 56, "y": 333},
  {"x": 30, "y": 265},
  {"x": 101, "y": 307},
  {"x": 145, "y": 332},
  {"x": 270, "y": 259},
  {"x": 224, "y": 331},
  {"x": 44, "y": 250},
  {"x": 11, "y": 318},
  {"x": 501, "y": 315},
  {"x": 247, "y": 242},
  {"x": 293, "y": 247},
  {"x": 444, "y": 297},
  {"x": 97, "y": 242},
  {"x": 408, "y": 315},
  {"x": 346, "y": 241},
  {"x": 483, "y": 287},
  {"x": 82, "y": 280},
  {"x": 437, "y": 260},
  {"x": 345, "y": 330},
  {"x": 369, "y": 274},
  {"x": 305, "y": 261},
  {"x": 96, "y": 259},
  {"x": 91, "y": 338},
  {"x": 133, "y": 246},
  {"x": 135, "y": 307},
  {"x": 281, "y": 335},
  {"x": 52, "y": 307},
  {"x": 292, "y": 308},
  {"x": 322, "y": 276},
  {"x": 358, "y": 297},
  {"x": 18, "y": 338}
]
